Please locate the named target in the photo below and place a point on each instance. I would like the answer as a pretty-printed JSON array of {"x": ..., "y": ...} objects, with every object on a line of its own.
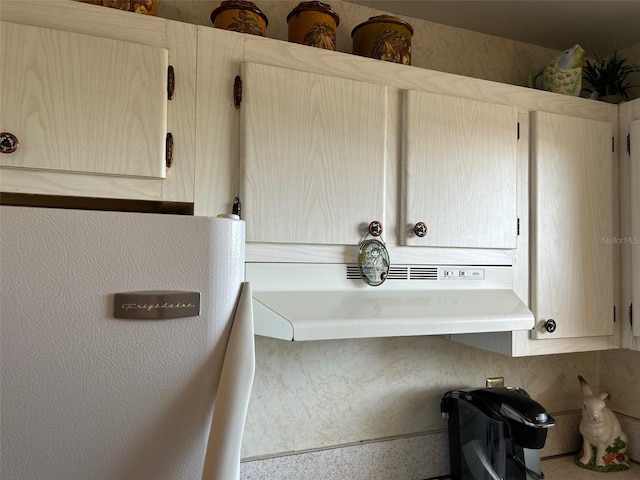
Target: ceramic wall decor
[
  {"x": 313, "y": 24},
  {"x": 383, "y": 37},
  {"x": 604, "y": 444},
  {"x": 563, "y": 74},
  {"x": 373, "y": 256},
  {"x": 146, "y": 7},
  {"x": 240, "y": 16}
]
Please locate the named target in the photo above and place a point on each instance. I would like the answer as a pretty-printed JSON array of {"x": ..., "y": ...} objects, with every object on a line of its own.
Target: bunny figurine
[{"x": 604, "y": 444}]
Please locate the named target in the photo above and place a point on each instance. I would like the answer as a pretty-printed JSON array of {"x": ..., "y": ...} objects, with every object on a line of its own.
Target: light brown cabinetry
[
  {"x": 90, "y": 108},
  {"x": 573, "y": 229},
  {"x": 80, "y": 103},
  {"x": 629, "y": 240},
  {"x": 313, "y": 162},
  {"x": 458, "y": 172},
  {"x": 325, "y": 142},
  {"x": 634, "y": 240},
  {"x": 312, "y": 156}
]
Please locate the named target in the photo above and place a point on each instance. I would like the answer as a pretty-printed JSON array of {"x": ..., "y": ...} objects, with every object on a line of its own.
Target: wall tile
[{"x": 619, "y": 377}]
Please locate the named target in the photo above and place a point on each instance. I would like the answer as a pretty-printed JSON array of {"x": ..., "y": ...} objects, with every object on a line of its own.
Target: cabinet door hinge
[
  {"x": 237, "y": 91},
  {"x": 518, "y": 227},
  {"x": 613, "y": 144},
  {"x": 614, "y": 314},
  {"x": 171, "y": 82},
  {"x": 518, "y": 130},
  {"x": 631, "y": 314},
  {"x": 236, "y": 209},
  {"x": 629, "y": 143},
  {"x": 169, "y": 150}
]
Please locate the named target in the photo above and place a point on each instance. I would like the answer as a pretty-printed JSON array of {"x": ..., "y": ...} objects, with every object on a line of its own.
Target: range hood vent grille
[
  {"x": 399, "y": 273},
  {"x": 423, "y": 273}
]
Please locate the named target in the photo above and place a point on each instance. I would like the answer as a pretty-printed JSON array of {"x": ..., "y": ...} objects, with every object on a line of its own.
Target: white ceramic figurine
[{"x": 604, "y": 444}]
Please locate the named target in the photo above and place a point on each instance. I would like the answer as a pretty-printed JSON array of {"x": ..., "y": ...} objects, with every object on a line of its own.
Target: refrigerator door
[{"x": 89, "y": 396}]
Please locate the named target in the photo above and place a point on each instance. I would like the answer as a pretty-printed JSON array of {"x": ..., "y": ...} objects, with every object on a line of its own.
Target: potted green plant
[{"x": 607, "y": 79}]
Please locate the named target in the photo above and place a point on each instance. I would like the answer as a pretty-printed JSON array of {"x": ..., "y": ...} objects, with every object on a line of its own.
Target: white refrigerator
[{"x": 126, "y": 345}]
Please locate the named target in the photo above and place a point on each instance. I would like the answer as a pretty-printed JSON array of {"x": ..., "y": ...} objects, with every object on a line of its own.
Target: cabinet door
[
  {"x": 634, "y": 241},
  {"x": 312, "y": 156},
  {"x": 459, "y": 172},
  {"x": 573, "y": 230},
  {"x": 79, "y": 103}
]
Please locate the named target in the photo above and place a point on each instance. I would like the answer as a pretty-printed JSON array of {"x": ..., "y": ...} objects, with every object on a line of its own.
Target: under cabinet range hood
[{"x": 295, "y": 301}]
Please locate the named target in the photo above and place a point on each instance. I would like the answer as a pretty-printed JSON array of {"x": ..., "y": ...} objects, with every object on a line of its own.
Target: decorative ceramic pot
[
  {"x": 147, "y": 7},
  {"x": 240, "y": 16},
  {"x": 383, "y": 37},
  {"x": 313, "y": 24}
]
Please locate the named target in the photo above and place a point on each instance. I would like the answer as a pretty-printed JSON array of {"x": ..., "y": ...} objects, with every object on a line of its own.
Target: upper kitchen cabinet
[
  {"x": 633, "y": 242},
  {"x": 312, "y": 150},
  {"x": 573, "y": 226},
  {"x": 629, "y": 239},
  {"x": 458, "y": 172},
  {"x": 83, "y": 104},
  {"x": 86, "y": 103}
]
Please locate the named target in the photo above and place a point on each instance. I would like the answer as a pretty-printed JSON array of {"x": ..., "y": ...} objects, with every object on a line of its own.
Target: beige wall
[
  {"x": 633, "y": 55},
  {"x": 620, "y": 377},
  {"x": 434, "y": 46},
  {"x": 320, "y": 394}
]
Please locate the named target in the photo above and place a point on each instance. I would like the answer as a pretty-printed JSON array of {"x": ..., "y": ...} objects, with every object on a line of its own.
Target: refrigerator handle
[{"x": 222, "y": 458}]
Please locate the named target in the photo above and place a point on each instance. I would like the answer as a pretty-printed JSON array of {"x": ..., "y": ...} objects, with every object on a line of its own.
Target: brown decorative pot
[
  {"x": 240, "y": 16},
  {"x": 383, "y": 37},
  {"x": 313, "y": 24},
  {"x": 147, "y": 7}
]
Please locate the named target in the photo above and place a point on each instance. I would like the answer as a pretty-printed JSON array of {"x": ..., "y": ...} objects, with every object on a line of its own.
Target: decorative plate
[{"x": 373, "y": 262}]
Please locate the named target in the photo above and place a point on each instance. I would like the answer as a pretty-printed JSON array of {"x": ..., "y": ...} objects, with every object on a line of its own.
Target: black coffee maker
[{"x": 495, "y": 433}]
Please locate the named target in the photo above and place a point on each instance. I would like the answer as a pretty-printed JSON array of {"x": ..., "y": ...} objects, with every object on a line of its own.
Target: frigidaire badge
[{"x": 156, "y": 305}]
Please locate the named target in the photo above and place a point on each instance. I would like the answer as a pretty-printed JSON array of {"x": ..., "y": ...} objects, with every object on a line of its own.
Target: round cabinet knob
[
  {"x": 375, "y": 229},
  {"x": 8, "y": 142},
  {"x": 420, "y": 229},
  {"x": 550, "y": 325}
]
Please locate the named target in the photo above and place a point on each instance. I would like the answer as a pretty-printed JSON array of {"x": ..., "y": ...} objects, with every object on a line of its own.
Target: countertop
[{"x": 563, "y": 468}]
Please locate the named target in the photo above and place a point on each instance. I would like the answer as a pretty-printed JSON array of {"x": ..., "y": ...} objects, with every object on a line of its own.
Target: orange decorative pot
[
  {"x": 313, "y": 24},
  {"x": 240, "y": 16},
  {"x": 147, "y": 7},
  {"x": 383, "y": 37}
]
